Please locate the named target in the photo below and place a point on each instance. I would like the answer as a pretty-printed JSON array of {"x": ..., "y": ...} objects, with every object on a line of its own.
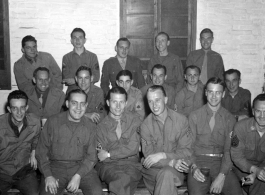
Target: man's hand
[
  {"x": 175, "y": 107},
  {"x": 153, "y": 158},
  {"x": 181, "y": 166},
  {"x": 51, "y": 184},
  {"x": 249, "y": 179},
  {"x": 218, "y": 184},
  {"x": 69, "y": 81},
  {"x": 241, "y": 117},
  {"x": 95, "y": 117},
  {"x": 261, "y": 174},
  {"x": 32, "y": 160},
  {"x": 198, "y": 175},
  {"x": 102, "y": 155},
  {"x": 73, "y": 185}
]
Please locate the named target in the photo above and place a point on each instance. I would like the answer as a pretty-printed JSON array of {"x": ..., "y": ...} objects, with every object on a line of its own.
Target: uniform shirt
[
  {"x": 217, "y": 141},
  {"x": 24, "y": 68},
  {"x": 16, "y": 148},
  {"x": 240, "y": 104},
  {"x": 173, "y": 138},
  {"x": 174, "y": 69},
  {"x": 63, "y": 140},
  {"x": 215, "y": 65},
  {"x": 247, "y": 147}
]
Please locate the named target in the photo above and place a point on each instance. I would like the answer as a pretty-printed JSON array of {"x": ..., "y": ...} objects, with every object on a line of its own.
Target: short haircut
[
  {"x": 163, "y": 33},
  {"x": 123, "y": 39},
  {"x": 40, "y": 69},
  {"x": 117, "y": 90},
  {"x": 159, "y": 66},
  {"x": 78, "y": 30},
  {"x": 260, "y": 97},
  {"x": 124, "y": 73},
  {"x": 17, "y": 94},
  {"x": 206, "y": 30},
  {"x": 81, "y": 68},
  {"x": 232, "y": 71},
  {"x": 28, "y": 38},
  {"x": 192, "y": 67},
  {"x": 78, "y": 91},
  {"x": 157, "y": 87},
  {"x": 215, "y": 80}
]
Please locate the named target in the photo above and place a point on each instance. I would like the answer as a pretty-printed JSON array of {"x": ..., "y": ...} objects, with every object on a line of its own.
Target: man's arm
[
  {"x": 146, "y": 141},
  {"x": 219, "y": 69},
  {"x": 95, "y": 69},
  {"x": 55, "y": 72},
  {"x": 179, "y": 101},
  {"x": 23, "y": 82},
  {"x": 246, "y": 109},
  {"x": 105, "y": 80}
]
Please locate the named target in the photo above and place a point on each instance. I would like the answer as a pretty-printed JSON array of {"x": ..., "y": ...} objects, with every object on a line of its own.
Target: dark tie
[
  {"x": 212, "y": 121},
  {"x": 204, "y": 76},
  {"x": 118, "y": 129},
  {"x": 41, "y": 99}
]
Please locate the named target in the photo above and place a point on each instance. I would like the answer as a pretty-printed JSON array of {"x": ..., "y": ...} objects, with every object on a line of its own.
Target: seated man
[
  {"x": 247, "y": 149},
  {"x": 191, "y": 96},
  {"x": 118, "y": 146},
  {"x": 236, "y": 100},
  {"x": 135, "y": 99},
  {"x": 165, "y": 138},
  {"x": 32, "y": 59},
  {"x": 19, "y": 133},
  {"x": 66, "y": 151},
  {"x": 159, "y": 77},
  {"x": 44, "y": 100},
  {"x": 95, "y": 97},
  {"x": 211, "y": 127}
]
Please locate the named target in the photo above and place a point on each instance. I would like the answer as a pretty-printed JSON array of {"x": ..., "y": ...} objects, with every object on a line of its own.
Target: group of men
[{"x": 195, "y": 123}]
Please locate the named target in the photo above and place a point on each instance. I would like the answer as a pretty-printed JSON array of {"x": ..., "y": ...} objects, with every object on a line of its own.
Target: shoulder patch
[
  {"x": 188, "y": 133},
  {"x": 138, "y": 106},
  {"x": 96, "y": 66},
  {"x": 100, "y": 107},
  {"x": 234, "y": 141},
  {"x": 143, "y": 141}
]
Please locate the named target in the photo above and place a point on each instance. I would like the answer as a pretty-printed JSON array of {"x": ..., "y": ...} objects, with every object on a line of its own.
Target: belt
[{"x": 213, "y": 155}]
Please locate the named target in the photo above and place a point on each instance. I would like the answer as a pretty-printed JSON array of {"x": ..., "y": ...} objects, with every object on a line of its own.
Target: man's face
[
  {"x": 206, "y": 40},
  {"x": 232, "y": 82},
  {"x": 122, "y": 49},
  {"x": 78, "y": 40},
  {"x": 125, "y": 82},
  {"x": 116, "y": 104},
  {"x": 30, "y": 49},
  {"x": 42, "y": 81},
  {"x": 158, "y": 76},
  {"x": 162, "y": 43},
  {"x": 157, "y": 101},
  {"x": 259, "y": 113},
  {"x": 214, "y": 94},
  {"x": 17, "y": 109},
  {"x": 192, "y": 76},
  {"x": 76, "y": 106},
  {"x": 84, "y": 80}
]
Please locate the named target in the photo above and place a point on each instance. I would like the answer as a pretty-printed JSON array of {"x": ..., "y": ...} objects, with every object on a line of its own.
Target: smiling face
[
  {"x": 116, "y": 103},
  {"x": 157, "y": 101},
  {"x": 214, "y": 94},
  {"x": 206, "y": 40},
  {"x": 17, "y": 109},
  {"x": 259, "y": 113},
  {"x": 162, "y": 43},
  {"x": 232, "y": 82},
  {"x": 30, "y": 49},
  {"x": 42, "y": 81},
  {"x": 84, "y": 80},
  {"x": 122, "y": 49},
  {"x": 78, "y": 40},
  {"x": 158, "y": 76},
  {"x": 76, "y": 106}
]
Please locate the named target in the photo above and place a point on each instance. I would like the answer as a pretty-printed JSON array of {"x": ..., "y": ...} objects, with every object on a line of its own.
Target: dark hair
[
  {"x": 192, "y": 67},
  {"x": 260, "y": 97},
  {"x": 215, "y": 80},
  {"x": 123, "y": 39},
  {"x": 162, "y": 33},
  {"x": 79, "y": 91},
  {"x": 28, "y": 38},
  {"x": 206, "y": 30},
  {"x": 41, "y": 69},
  {"x": 159, "y": 66},
  {"x": 78, "y": 30},
  {"x": 124, "y": 73},
  {"x": 231, "y": 71},
  {"x": 157, "y": 87},
  {"x": 81, "y": 68},
  {"x": 117, "y": 90},
  {"x": 17, "y": 94}
]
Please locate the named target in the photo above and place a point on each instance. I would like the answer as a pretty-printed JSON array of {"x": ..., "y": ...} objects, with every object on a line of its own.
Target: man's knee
[{"x": 170, "y": 174}]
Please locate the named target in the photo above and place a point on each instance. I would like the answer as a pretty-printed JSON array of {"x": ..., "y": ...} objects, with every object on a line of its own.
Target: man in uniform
[
  {"x": 32, "y": 59},
  {"x": 66, "y": 151},
  {"x": 19, "y": 133},
  {"x": 236, "y": 100},
  {"x": 118, "y": 144},
  {"x": 122, "y": 61},
  {"x": 169, "y": 60},
  {"x": 211, "y": 127},
  {"x": 166, "y": 142},
  {"x": 248, "y": 148},
  {"x": 78, "y": 57},
  {"x": 209, "y": 61}
]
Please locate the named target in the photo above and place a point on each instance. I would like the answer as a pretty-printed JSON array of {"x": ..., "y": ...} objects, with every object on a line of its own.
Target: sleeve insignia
[
  {"x": 234, "y": 141},
  {"x": 100, "y": 107},
  {"x": 231, "y": 134},
  {"x": 144, "y": 142},
  {"x": 188, "y": 133},
  {"x": 96, "y": 66},
  {"x": 138, "y": 106}
]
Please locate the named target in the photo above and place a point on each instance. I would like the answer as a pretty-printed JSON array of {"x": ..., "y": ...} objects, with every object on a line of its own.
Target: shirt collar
[
  {"x": 31, "y": 60},
  {"x": 123, "y": 118},
  {"x": 210, "y": 112},
  {"x": 14, "y": 127},
  {"x": 44, "y": 95},
  {"x": 169, "y": 115}
]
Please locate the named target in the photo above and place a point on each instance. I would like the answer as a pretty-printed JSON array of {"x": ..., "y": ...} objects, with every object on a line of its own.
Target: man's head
[
  {"x": 232, "y": 79},
  {"x": 116, "y": 100},
  {"x": 41, "y": 78},
  {"x": 258, "y": 110},
  {"x": 17, "y": 105},
  {"x": 158, "y": 74},
  {"x": 78, "y": 38},
  {"x": 157, "y": 99},
  {"x": 29, "y": 46},
  {"x": 214, "y": 92},
  {"x": 84, "y": 78},
  {"x": 76, "y": 103},
  {"x": 122, "y": 47},
  {"x": 162, "y": 41},
  {"x": 192, "y": 74},
  {"x": 124, "y": 79},
  {"x": 206, "y": 38}
]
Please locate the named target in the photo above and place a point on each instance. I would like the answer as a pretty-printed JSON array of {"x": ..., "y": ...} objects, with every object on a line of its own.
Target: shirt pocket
[{"x": 59, "y": 147}]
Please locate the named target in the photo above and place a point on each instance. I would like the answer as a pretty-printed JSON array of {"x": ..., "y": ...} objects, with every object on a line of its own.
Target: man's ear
[
  {"x": 116, "y": 48},
  {"x": 107, "y": 101},
  {"x": 34, "y": 80},
  {"x": 166, "y": 99},
  {"x": 117, "y": 82},
  {"x": 151, "y": 76},
  {"x": 166, "y": 77},
  {"x": 239, "y": 82},
  {"x": 67, "y": 103},
  {"x": 168, "y": 43},
  {"x": 91, "y": 78},
  {"x": 8, "y": 108},
  {"x": 76, "y": 79},
  {"x": 131, "y": 82},
  {"x": 27, "y": 107},
  {"x": 223, "y": 94},
  {"x": 22, "y": 49}
]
